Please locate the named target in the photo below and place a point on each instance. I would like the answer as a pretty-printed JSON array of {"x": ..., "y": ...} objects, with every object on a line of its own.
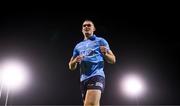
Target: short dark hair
[{"x": 89, "y": 21}]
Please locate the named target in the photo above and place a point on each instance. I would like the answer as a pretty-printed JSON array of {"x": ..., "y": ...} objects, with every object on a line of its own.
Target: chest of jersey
[{"x": 89, "y": 48}]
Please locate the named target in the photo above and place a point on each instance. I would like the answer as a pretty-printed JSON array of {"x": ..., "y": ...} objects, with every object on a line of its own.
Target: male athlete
[{"x": 90, "y": 55}]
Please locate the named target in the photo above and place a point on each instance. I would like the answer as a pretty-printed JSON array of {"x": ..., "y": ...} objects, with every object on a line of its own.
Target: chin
[{"x": 87, "y": 34}]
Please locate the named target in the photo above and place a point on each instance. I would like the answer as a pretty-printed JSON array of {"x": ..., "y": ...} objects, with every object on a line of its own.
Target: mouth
[{"x": 86, "y": 30}]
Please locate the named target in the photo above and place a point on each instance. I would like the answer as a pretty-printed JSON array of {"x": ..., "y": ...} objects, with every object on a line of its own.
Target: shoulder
[
  {"x": 79, "y": 44},
  {"x": 101, "y": 39}
]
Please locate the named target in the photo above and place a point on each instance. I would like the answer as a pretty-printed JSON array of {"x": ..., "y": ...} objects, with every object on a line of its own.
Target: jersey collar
[{"x": 93, "y": 37}]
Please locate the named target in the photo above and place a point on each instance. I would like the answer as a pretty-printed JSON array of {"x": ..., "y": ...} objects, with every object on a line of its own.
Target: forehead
[{"x": 88, "y": 22}]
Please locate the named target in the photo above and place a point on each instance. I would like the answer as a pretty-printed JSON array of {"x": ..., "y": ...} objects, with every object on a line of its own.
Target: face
[{"x": 88, "y": 28}]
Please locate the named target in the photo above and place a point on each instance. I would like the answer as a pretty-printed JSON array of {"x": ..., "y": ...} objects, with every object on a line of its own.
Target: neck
[{"x": 86, "y": 36}]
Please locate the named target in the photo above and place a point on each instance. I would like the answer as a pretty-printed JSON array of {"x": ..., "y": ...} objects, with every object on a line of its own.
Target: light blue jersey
[{"x": 93, "y": 62}]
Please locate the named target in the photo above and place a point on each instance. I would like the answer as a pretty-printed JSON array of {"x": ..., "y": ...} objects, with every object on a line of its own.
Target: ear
[
  {"x": 82, "y": 30},
  {"x": 94, "y": 29}
]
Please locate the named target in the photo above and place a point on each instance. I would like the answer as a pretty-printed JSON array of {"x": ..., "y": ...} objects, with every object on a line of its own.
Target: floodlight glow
[
  {"x": 14, "y": 74},
  {"x": 132, "y": 85},
  {"x": 1, "y": 84}
]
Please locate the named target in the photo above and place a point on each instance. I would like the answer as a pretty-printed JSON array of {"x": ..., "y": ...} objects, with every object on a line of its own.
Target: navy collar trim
[{"x": 93, "y": 37}]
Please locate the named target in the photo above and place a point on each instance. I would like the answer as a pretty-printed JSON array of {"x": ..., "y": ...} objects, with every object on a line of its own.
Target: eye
[{"x": 88, "y": 25}]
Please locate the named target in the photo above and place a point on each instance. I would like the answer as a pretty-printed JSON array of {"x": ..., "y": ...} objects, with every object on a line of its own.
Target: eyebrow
[{"x": 87, "y": 25}]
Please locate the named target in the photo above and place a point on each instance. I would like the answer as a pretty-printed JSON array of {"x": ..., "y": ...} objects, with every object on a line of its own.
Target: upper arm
[
  {"x": 75, "y": 54},
  {"x": 103, "y": 42},
  {"x": 111, "y": 53}
]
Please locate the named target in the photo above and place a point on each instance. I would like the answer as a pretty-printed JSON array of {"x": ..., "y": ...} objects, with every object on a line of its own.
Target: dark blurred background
[{"x": 144, "y": 39}]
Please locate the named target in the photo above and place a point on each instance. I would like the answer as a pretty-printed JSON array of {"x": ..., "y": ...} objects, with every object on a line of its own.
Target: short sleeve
[
  {"x": 75, "y": 52},
  {"x": 103, "y": 42}
]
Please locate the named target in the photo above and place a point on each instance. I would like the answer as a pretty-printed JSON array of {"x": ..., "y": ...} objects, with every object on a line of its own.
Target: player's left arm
[{"x": 108, "y": 55}]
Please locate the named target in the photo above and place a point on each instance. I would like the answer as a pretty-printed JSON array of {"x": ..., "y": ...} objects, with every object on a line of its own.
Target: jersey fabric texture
[{"x": 92, "y": 63}]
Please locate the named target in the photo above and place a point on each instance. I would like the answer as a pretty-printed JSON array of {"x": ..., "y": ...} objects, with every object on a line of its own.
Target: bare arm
[
  {"x": 108, "y": 54},
  {"x": 74, "y": 61},
  {"x": 110, "y": 58},
  {"x": 72, "y": 64}
]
